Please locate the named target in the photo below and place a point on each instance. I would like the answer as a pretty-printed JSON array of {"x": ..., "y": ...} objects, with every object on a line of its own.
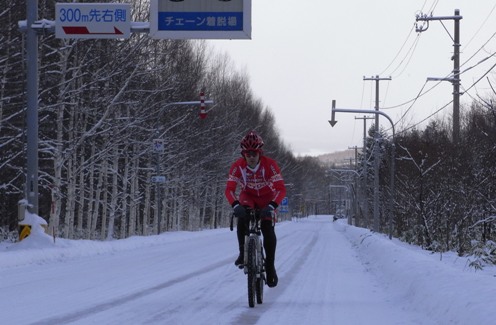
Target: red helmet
[{"x": 252, "y": 141}]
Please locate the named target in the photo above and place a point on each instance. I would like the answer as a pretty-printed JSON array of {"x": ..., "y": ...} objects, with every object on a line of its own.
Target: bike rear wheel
[{"x": 252, "y": 272}]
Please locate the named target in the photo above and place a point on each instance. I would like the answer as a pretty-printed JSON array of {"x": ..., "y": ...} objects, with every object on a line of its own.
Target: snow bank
[{"x": 425, "y": 279}]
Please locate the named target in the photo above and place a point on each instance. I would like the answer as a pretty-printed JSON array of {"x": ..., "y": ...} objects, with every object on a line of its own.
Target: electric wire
[
  {"x": 482, "y": 25},
  {"x": 421, "y": 93},
  {"x": 363, "y": 94},
  {"x": 398, "y": 53},
  {"x": 485, "y": 74},
  {"x": 409, "y": 54},
  {"x": 446, "y": 105},
  {"x": 413, "y": 103},
  {"x": 480, "y": 49},
  {"x": 404, "y": 43},
  {"x": 411, "y": 51},
  {"x": 425, "y": 119}
]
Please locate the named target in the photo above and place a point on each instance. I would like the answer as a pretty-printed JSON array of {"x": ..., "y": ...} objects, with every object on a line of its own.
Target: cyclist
[{"x": 262, "y": 187}]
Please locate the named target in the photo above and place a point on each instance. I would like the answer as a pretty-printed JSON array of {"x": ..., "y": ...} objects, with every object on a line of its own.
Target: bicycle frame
[{"x": 254, "y": 233}]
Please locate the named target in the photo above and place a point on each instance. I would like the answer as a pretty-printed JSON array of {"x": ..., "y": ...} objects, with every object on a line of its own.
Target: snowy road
[{"x": 189, "y": 278}]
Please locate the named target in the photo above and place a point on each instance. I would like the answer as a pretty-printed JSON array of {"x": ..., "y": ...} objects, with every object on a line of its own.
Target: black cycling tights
[{"x": 269, "y": 237}]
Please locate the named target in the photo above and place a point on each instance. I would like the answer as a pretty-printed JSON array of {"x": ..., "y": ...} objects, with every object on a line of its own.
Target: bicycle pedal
[{"x": 241, "y": 266}]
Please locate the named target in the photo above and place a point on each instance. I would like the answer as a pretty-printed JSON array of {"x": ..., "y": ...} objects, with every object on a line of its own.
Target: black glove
[
  {"x": 239, "y": 210},
  {"x": 267, "y": 211}
]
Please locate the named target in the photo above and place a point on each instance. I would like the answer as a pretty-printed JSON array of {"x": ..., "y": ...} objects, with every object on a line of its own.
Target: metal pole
[
  {"x": 32, "y": 107},
  {"x": 376, "y": 153},
  {"x": 456, "y": 80},
  {"x": 376, "y": 158},
  {"x": 365, "y": 175},
  {"x": 333, "y": 122},
  {"x": 159, "y": 197},
  {"x": 355, "y": 193},
  {"x": 364, "y": 191},
  {"x": 391, "y": 200}
]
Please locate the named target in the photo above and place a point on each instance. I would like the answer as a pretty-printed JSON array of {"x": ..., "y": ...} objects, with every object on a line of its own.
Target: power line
[
  {"x": 425, "y": 119},
  {"x": 398, "y": 53},
  {"x": 480, "y": 49},
  {"x": 413, "y": 103},
  {"x": 411, "y": 49},
  {"x": 446, "y": 105},
  {"x": 482, "y": 25},
  {"x": 485, "y": 74},
  {"x": 420, "y": 94},
  {"x": 451, "y": 75}
]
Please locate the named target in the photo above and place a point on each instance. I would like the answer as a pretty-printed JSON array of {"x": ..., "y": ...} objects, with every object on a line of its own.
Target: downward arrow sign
[{"x": 333, "y": 121}]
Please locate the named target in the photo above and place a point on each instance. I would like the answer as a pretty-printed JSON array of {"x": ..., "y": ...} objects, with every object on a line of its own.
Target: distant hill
[{"x": 339, "y": 158}]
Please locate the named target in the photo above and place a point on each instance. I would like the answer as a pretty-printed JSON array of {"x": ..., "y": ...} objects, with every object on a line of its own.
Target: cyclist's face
[{"x": 252, "y": 158}]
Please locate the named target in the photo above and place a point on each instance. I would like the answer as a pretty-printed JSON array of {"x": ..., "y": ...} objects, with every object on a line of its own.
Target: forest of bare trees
[
  {"x": 101, "y": 105},
  {"x": 103, "y": 102},
  {"x": 445, "y": 193}
]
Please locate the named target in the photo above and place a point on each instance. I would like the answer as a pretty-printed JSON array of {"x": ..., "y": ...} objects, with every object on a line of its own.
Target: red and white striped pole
[{"x": 203, "y": 113}]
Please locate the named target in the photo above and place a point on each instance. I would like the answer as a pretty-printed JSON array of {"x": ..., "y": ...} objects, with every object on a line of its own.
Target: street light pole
[
  {"x": 361, "y": 111},
  {"x": 365, "y": 173}
]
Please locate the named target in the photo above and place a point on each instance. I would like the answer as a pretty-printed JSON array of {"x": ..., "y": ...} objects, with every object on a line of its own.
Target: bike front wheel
[{"x": 252, "y": 272}]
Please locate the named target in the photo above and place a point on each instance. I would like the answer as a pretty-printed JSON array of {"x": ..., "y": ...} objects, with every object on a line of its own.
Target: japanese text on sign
[
  {"x": 200, "y": 21},
  {"x": 94, "y": 15}
]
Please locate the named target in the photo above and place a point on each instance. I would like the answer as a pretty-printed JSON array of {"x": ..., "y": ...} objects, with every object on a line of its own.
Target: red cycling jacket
[{"x": 259, "y": 186}]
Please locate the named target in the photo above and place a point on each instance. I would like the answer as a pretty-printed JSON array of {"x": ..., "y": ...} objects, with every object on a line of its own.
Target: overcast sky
[{"x": 304, "y": 54}]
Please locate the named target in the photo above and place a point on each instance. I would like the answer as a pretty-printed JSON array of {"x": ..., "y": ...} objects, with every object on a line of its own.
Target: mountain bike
[{"x": 254, "y": 263}]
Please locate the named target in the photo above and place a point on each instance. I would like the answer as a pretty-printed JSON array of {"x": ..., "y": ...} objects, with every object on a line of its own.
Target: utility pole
[
  {"x": 376, "y": 151},
  {"x": 364, "y": 170},
  {"x": 356, "y": 194},
  {"x": 355, "y": 148},
  {"x": 455, "y": 79}
]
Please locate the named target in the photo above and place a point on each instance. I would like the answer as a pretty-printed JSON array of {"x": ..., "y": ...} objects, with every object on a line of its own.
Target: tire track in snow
[
  {"x": 88, "y": 312},
  {"x": 291, "y": 265}
]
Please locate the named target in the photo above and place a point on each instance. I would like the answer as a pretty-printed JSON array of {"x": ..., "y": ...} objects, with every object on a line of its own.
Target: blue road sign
[
  {"x": 284, "y": 205},
  {"x": 200, "y": 19}
]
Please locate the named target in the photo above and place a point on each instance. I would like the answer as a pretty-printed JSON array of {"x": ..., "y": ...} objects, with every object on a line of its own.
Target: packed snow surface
[{"x": 329, "y": 273}]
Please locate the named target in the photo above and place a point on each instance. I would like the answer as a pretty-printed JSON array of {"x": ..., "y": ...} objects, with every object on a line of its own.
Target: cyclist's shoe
[
  {"x": 272, "y": 278},
  {"x": 240, "y": 261}
]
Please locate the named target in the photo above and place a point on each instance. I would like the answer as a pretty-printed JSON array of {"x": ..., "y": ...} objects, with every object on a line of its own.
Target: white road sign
[
  {"x": 92, "y": 20},
  {"x": 200, "y": 19}
]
